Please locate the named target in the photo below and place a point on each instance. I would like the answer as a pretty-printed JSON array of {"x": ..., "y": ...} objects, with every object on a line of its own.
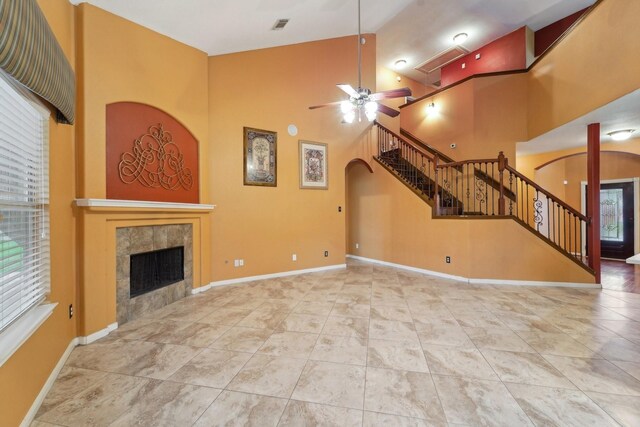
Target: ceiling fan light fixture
[
  {"x": 400, "y": 64},
  {"x": 371, "y": 106},
  {"x": 346, "y": 106},
  {"x": 349, "y": 116},
  {"x": 621, "y": 135},
  {"x": 460, "y": 38}
]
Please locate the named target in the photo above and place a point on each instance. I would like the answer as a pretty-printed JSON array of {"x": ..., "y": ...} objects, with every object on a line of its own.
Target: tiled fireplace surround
[{"x": 133, "y": 240}]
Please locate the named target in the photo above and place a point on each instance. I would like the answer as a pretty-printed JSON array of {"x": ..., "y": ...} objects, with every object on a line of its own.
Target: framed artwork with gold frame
[
  {"x": 314, "y": 169},
  {"x": 260, "y": 157}
]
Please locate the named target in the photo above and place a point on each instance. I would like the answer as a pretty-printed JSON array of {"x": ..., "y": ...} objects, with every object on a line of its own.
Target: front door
[{"x": 616, "y": 220}]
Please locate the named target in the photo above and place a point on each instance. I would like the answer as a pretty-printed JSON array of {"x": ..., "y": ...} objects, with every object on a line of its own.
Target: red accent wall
[
  {"x": 144, "y": 171},
  {"x": 545, "y": 37},
  {"x": 504, "y": 54}
]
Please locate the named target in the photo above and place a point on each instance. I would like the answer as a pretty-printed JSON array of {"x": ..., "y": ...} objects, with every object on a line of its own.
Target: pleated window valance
[{"x": 30, "y": 53}]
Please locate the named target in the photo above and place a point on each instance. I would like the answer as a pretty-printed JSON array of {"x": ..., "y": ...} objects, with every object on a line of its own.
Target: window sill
[{"x": 16, "y": 335}]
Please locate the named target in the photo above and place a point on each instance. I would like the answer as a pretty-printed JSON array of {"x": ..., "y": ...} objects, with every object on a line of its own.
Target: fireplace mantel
[{"x": 106, "y": 204}]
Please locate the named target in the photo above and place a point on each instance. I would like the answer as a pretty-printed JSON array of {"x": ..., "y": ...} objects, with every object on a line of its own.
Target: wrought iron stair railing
[{"x": 484, "y": 188}]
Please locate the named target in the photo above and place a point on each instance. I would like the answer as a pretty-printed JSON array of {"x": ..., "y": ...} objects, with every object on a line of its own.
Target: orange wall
[
  {"x": 386, "y": 80},
  {"x": 472, "y": 115},
  {"x": 270, "y": 89},
  {"x": 135, "y": 64},
  {"x": 24, "y": 374},
  {"x": 594, "y": 65},
  {"x": 390, "y": 223}
]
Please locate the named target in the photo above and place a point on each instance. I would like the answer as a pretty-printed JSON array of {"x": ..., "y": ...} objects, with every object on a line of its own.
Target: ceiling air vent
[
  {"x": 280, "y": 24},
  {"x": 442, "y": 59}
]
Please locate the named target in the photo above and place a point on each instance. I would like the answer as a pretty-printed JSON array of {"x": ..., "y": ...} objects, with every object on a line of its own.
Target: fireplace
[{"x": 154, "y": 268}]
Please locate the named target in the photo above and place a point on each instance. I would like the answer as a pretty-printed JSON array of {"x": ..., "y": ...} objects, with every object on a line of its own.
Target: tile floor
[
  {"x": 620, "y": 276},
  {"x": 365, "y": 346}
]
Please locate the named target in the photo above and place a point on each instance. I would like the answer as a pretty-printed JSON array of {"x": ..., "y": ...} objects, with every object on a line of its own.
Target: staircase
[{"x": 482, "y": 189}]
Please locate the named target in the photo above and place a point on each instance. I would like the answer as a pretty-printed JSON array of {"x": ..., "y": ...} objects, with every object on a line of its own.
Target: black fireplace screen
[{"x": 154, "y": 270}]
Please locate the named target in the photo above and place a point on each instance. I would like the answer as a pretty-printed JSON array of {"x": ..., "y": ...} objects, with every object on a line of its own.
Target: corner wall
[{"x": 270, "y": 89}]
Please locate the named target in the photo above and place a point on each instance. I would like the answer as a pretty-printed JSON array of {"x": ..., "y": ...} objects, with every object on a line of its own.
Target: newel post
[
  {"x": 436, "y": 195},
  {"x": 502, "y": 164}
]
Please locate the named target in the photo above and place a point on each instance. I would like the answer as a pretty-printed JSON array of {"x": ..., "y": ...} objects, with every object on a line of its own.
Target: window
[{"x": 24, "y": 200}]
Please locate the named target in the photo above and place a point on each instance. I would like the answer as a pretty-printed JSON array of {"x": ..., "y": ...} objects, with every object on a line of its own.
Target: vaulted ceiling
[{"x": 415, "y": 30}]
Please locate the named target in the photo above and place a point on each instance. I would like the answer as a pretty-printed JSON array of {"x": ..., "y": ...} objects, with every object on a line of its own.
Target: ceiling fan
[{"x": 361, "y": 99}]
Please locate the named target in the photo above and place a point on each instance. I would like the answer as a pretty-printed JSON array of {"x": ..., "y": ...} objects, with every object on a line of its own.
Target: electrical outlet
[
  {"x": 448, "y": 259},
  {"x": 294, "y": 257},
  {"x": 464, "y": 65},
  {"x": 339, "y": 208},
  {"x": 70, "y": 311},
  {"x": 326, "y": 253},
  {"x": 236, "y": 263},
  {"x": 477, "y": 56},
  {"x": 357, "y": 245},
  {"x": 241, "y": 262}
]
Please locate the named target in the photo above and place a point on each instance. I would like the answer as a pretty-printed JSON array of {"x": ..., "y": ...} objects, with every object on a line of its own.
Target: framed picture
[
  {"x": 260, "y": 155},
  {"x": 313, "y": 165}
]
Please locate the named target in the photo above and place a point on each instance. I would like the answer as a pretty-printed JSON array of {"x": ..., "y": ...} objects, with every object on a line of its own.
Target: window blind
[{"x": 24, "y": 202}]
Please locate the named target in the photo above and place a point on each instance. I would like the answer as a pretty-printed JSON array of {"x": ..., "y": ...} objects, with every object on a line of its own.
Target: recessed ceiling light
[
  {"x": 400, "y": 64},
  {"x": 460, "y": 38},
  {"x": 621, "y": 135}
]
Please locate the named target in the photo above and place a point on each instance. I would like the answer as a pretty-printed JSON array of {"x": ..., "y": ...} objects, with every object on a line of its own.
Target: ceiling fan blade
[
  {"x": 393, "y": 93},
  {"x": 387, "y": 110},
  {"x": 328, "y": 104},
  {"x": 349, "y": 90}
]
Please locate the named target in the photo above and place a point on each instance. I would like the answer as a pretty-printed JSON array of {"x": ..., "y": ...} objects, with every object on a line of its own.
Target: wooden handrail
[
  {"x": 466, "y": 162},
  {"x": 411, "y": 144},
  {"x": 555, "y": 199}
]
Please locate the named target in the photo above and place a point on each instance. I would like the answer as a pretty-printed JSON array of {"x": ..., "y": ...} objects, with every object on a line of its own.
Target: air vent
[
  {"x": 280, "y": 24},
  {"x": 442, "y": 59}
]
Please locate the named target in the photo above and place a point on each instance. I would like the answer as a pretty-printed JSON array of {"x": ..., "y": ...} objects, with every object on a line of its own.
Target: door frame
[{"x": 636, "y": 208}]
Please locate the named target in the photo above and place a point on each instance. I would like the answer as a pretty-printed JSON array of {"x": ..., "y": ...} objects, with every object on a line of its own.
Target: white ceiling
[
  {"x": 623, "y": 113},
  {"x": 415, "y": 30}
]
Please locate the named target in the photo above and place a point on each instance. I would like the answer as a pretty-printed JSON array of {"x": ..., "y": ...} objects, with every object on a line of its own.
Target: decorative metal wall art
[
  {"x": 155, "y": 161},
  {"x": 260, "y": 155}
]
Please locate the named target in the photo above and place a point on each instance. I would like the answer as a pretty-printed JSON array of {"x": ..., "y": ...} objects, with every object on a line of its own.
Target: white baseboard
[
  {"x": 265, "y": 276},
  {"x": 97, "y": 335},
  {"x": 35, "y": 406},
  {"x": 479, "y": 281}
]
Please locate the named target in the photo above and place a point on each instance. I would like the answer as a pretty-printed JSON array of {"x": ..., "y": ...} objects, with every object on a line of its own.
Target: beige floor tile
[
  {"x": 346, "y": 326},
  {"x": 631, "y": 368},
  {"x": 477, "y": 319},
  {"x": 314, "y": 307},
  {"x": 498, "y": 339},
  {"x": 290, "y": 344},
  {"x": 400, "y": 314},
  {"x": 458, "y": 361},
  {"x": 448, "y": 335},
  {"x": 410, "y": 394},
  {"x": 555, "y": 344},
  {"x": 560, "y": 407},
  {"x": 192, "y": 334},
  {"x": 339, "y": 349},
  {"x": 169, "y": 404},
  {"x": 242, "y": 409},
  {"x": 351, "y": 310},
  {"x": 596, "y": 375},
  {"x": 297, "y": 322},
  {"x": 70, "y": 381},
  {"x": 268, "y": 375},
  {"x": 312, "y": 414},
  {"x": 618, "y": 349},
  {"x": 525, "y": 368},
  {"x": 332, "y": 384},
  {"x": 392, "y": 330},
  {"x": 477, "y": 402},
  {"x": 402, "y": 355},
  {"x": 624, "y": 409},
  {"x": 103, "y": 402},
  {"x": 211, "y": 368},
  {"x": 263, "y": 319},
  {"x": 376, "y": 419},
  {"x": 226, "y": 316},
  {"x": 242, "y": 339}
]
